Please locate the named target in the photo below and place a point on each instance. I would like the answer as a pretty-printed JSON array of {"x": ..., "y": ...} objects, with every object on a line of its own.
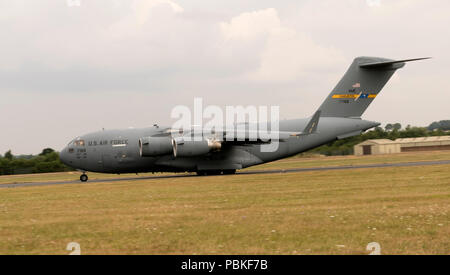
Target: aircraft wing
[
  {"x": 230, "y": 135},
  {"x": 310, "y": 128}
]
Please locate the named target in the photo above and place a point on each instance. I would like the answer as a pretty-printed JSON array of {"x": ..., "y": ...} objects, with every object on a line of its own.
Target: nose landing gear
[{"x": 84, "y": 178}]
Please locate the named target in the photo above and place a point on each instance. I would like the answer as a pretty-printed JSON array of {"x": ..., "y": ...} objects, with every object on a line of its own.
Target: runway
[{"x": 253, "y": 172}]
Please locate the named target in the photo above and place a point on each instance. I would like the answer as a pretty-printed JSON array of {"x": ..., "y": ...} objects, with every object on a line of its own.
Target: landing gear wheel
[
  {"x": 84, "y": 178},
  {"x": 201, "y": 173},
  {"x": 214, "y": 172},
  {"x": 229, "y": 172}
]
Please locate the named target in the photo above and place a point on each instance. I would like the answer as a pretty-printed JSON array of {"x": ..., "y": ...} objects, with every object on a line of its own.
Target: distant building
[
  {"x": 386, "y": 146},
  {"x": 376, "y": 147},
  {"x": 424, "y": 143}
]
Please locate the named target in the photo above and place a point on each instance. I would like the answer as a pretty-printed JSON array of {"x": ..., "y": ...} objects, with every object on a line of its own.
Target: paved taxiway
[{"x": 253, "y": 172}]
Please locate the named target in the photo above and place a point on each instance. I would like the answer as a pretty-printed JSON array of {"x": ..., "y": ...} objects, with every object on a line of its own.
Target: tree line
[
  {"x": 440, "y": 125},
  {"x": 46, "y": 162}
]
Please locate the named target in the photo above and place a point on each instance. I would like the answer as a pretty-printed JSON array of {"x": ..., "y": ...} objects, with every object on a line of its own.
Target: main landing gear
[
  {"x": 84, "y": 178},
  {"x": 216, "y": 172},
  {"x": 229, "y": 172}
]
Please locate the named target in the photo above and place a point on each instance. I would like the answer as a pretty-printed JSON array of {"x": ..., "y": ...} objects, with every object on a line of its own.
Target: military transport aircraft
[{"x": 158, "y": 149}]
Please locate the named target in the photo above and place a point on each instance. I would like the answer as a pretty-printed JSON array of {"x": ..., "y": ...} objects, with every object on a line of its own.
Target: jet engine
[
  {"x": 156, "y": 146},
  {"x": 183, "y": 148}
]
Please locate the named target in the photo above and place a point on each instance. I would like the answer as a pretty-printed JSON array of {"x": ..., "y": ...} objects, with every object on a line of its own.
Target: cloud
[
  {"x": 286, "y": 54},
  {"x": 373, "y": 3},
  {"x": 249, "y": 25},
  {"x": 147, "y": 43},
  {"x": 142, "y": 7},
  {"x": 142, "y": 12},
  {"x": 98, "y": 46}
]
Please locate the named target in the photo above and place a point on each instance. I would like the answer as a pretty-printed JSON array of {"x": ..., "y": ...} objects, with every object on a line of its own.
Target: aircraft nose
[{"x": 63, "y": 156}]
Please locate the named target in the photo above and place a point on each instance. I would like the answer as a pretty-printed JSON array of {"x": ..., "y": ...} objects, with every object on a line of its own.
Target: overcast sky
[{"x": 68, "y": 70}]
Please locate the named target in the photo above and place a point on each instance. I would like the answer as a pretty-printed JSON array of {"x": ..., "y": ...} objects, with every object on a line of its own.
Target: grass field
[{"x": 404, "y": 209}]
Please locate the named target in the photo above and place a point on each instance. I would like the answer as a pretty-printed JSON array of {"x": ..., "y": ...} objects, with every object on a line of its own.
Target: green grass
[
  {"x": 65, "y": 176},
  {"x": 405, "y": 209}
]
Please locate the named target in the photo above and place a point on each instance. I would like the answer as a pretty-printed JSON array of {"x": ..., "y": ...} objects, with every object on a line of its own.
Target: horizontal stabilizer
[{"x": 382, "y": 64}]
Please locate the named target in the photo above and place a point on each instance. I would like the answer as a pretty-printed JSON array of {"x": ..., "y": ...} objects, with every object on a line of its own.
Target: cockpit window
[{"x": 79, "y": 142}]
